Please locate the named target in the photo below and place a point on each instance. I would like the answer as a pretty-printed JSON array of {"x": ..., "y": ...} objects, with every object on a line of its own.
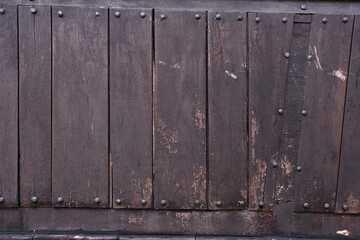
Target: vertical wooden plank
[
  {"x": 294, "y": 100},
  {"x": 227, "y": 110},
  {"x": 269, "y": 52},
  {"x": 35, "y": 105},
  {"x": 348, "y": 193},
  {"x": 8, "y": 107},
  {"x": 80, "y": 107},
  {"x": 179, "y": 110},
  {"x": 131, "y": 107},
  {"x": 320, "y": 137}
]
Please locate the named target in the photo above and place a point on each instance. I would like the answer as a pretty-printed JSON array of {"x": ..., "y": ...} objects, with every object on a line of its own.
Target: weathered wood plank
[
  {"x": 9, "y": 107},
  {"x": 80, "y": 107},
  {"x": 269, "y": 44},
  {"x": 179, "y": 110},
  {"x": 227, "y": 110},
  {"x": 35, "y": 105},
  {"x": 348, "y": 192},
  {"x": 131, "y": 107},
  {"x": 320, "y": 137}
]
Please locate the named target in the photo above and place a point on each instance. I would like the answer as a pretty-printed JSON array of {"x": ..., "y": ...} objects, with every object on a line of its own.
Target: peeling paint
[
  {"x": 168, "y": 137},
  {"x": 317, "y": 59},
  {"x": 343, "y": 232},
  {"x": 230, "y": 74},
  {"x": 176, "y": 65},
  {"x": 162, "y": 63},
  {"x": 339, "y": 74}
]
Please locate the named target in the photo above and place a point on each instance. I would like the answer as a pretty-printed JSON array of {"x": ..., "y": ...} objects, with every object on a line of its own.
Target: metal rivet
[
  {"x": 324, "y": 20},
  {"x": 306, "y": 205},
  {"x": 163, "y": 16},
  {"x": 218, "y": 203},
  {"x": 60, "y": 13},
  {"x": 143, "y": 202},
  {"x": 218, "y": 17},
  {"x": 261, "y": 204},
  {"x": 197, "y": 16},
  {"x": 33, "y": 10},
  {"x": 304, "y": 113},
  {"x": 118, "y": 201},
  {"x": 117, "y": 14},
  {"x": 197, "y": 202},
  {"x": 326, "y": 205},
  {"x": 163, "y": 202},
  {"x": 60, "y": 199},
  {"x": 241, "y": 203},
  {"x": 240, "y": 18},
  {"x": 298, "y": 169},
  {"x": 97, "y": 200},
  {"x": 284, "y": 20},
  {"x": 2, "y": 199},
  {"x": 97, "y": 14},
  {"x": 345, "y": 20},
  {"x": 345, "y": 207},
  {"x": 310, "y": 57},
  {"x": 281, "y": 111},
  {"x": 275, "y": 164},
  {"x": 303, "y": 6},
  {"x": 257, "y": 19},
  {"x": 287, "y": 54},
  {"x": 2, "y": 10},
  {"x": 142, "y": 14},
  {"x": 34, "y": 199}
]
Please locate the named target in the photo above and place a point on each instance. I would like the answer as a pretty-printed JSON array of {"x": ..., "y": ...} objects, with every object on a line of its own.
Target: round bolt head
[
  {"x": 261, "y": 204},
  {"x": 97, "y": 200},
  {"x": 218, "y": 16},
  {"x": 197, "y": 202},
  {"x": 2, "y": 199},
  {"x": 163, "y": 16},
  {"x": 60, "y": 13},
  {"x": 310, "y": 57},
  {"x": 142, "y": 14},
  {"x": 298, "y": 169},
  {"x": 34, "y": 199},
  {"x": 97, "y": 14},
  {"x": 275, "y": 164},
  {"x": 326, "y": 206},
  {"x": 60, "y": 199},
  {"x": 33, "y": 10},
  {"x": 284, "y": 20},
  {"x": 306, "y": 205},
  {"x": 287, "y": 55},
  {"x": 257, "y": 19},
  {"x": 117, "y": 14},
  {"x": 281, "y": 111},
  {"x": 241, "y": 203},
  {"x": 345, "y": 20},
  {"x": 197, "y": 16},
  {"x": 345, "y": 207},
  {"x": 218, "y": 203},
  {"x": 163, "y": 202},
  {"x": 304, "y": 113},
  {"x": 2, "y": 10},
  {"x": 240, "y": 18},
  {"x": 303, "y": 6},
  {"x": 324, "y": 20},
  {"x": 143, "y": 202},
  {"x": 118, "y": 201}
]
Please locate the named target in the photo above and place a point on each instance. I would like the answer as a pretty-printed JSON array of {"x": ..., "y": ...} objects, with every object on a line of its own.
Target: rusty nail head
[
  {"x": 218, "y": 203},
  {"x": 60, "y": 13},
  {"x": 324, "y": 20},
  {"x": 345, "y": 20},
  {"x": 143, "y": 202},
  {"x": 287, "y": 54},
  {"x": 303, "y": 6},
  {"x": 97, "y": 14},
  {"x": 218, "y": 16},
  {"x": 118, "y": 201},
  {"x": 2, "y": 10},
  {"x": 284, "y": 20},
  {"x": 326, "y": 206},
  {"x": 163, "y": 16},
  {"x": 281, "y": 111},
  {"x": 197, "y": 16},
  {"x": 197, "y": 202},
  {"x": 345, "y": 207},
  {"x": 34, "y": 199},
  {"x": 306, "y": 205},
  {"x": 117, "y": 14},
  {"x": 241, "y": 203},
  {"x": 33, "y": 10},
  {"x": 240, "y": 18},
  {"x": 163, "y": 202},
  {"x": 299, "y": 169},
  {"x": 97, "y": 200},
  {"x": 2, "y": 199},
  {"x": 142, "y": 14},
  {"x": 261, "y": 204},
  {"x": 275, "y": 164},
  {"x": 310, "y": 57},
  {"x": 257, "y": 19},
  {"x": 60, "y": 199}
]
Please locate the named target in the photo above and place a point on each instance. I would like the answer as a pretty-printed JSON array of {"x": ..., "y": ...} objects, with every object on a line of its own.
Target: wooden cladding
[{"x": 170, "y": 109}]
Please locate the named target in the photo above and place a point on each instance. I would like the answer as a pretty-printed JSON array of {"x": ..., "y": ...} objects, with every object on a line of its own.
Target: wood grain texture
[
  {"x": 80, "y": 107},
  {"x": 294, "y": 100},
  {"x": 227, "y": 110},
  {"x": 348, "y": 191},
  {"x": 35, "y": 105},
  {"x": 320, "y": 138},
  {"x": 131, "y": 107},
  {"x": 9, "y": 107},
  {"x": 179, "y": 110},
  {"x": 269, "y": 40}
]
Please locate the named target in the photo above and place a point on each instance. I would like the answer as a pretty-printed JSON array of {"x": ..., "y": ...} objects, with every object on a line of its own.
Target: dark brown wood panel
[
  {"x": 180, "y": 110},
  {"x": 294, "y": 100},
  {"x": 9, "y": 107},
  {"x": 131, "y": 107},
  {"x": 319, "y": 147},
  {"x": 227, "y": 110},
  {"x": 80, "y": 107},
  {"x": 35, "y": 105},
  {"x": 269, "y": 53},
  {"x": 348, "y": 193}
]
